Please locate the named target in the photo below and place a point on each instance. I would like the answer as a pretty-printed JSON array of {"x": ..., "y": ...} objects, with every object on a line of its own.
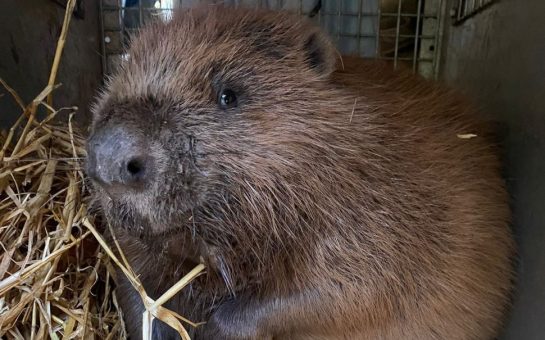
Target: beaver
[{"x": 329, "y": 197}]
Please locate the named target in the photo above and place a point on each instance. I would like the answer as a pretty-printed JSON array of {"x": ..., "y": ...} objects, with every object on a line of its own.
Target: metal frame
[
  {"x": 465, "y": 9},
  {"x": 358, "y": 27}
]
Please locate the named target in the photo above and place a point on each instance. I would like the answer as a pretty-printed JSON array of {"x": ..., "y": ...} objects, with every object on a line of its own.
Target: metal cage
[{"x": 401, "y": 31}]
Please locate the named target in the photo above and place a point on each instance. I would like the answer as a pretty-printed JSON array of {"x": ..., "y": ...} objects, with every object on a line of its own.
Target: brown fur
[{"x": 327, "y": 205}]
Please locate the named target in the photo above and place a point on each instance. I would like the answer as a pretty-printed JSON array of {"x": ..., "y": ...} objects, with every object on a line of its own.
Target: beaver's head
[{"x": 208, "y": 112}]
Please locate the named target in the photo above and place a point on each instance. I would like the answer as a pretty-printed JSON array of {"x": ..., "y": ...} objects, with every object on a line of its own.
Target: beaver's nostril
[
  {"x": 135, "y": 167},
  {"x": 134, "y": 172}
]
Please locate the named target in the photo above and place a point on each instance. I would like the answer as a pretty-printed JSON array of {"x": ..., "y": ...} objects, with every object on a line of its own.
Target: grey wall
[
  {"x": 498, "y": 58},
  {"x": 29, "y": 30}
]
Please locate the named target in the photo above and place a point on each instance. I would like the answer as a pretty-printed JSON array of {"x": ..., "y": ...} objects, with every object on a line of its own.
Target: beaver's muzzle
[{"x": 118, "y": 160}]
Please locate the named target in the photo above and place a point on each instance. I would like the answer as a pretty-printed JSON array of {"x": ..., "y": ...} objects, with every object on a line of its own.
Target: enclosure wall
[
  {"x": 29, "y": 30},
  {"x": 498, "y": 57}
]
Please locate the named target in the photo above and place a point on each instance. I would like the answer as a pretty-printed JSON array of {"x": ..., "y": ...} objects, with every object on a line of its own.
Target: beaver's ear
[{"x": 320, "y": 54}]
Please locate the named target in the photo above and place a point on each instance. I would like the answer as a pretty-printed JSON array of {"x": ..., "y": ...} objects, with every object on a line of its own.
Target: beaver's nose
[{"x": 117, "y": 159}]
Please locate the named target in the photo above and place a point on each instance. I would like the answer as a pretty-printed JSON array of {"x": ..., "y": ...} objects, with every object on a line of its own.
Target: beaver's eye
[{"x": 227, "y": 99}]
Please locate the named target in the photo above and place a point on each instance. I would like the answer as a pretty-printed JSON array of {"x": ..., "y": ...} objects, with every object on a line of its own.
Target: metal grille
[
  {"x": 468, "y": 8},
  {"x": 401, "y": 31}
]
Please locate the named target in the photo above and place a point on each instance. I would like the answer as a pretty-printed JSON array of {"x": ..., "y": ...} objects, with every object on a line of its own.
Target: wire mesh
[{"x": 401, "y": 31}]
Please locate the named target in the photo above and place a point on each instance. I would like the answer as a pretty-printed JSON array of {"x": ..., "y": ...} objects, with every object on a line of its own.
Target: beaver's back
[{"x": 446, "y": 174}]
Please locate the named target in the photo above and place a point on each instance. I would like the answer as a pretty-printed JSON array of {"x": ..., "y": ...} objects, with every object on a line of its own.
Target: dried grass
[
  {"x": 56, "y": 272},
  {"x": 55, "y": 281}
]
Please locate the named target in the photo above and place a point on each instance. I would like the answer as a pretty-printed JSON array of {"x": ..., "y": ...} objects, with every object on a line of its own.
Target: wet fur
[{"x": 328, "y": 205}]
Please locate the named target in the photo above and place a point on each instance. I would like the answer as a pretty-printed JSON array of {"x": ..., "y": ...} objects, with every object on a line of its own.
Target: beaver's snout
[{"x": 116, "y": 160}]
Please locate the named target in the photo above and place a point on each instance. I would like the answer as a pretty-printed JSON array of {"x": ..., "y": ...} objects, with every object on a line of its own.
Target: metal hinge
[{"x": 465, "y": 9}]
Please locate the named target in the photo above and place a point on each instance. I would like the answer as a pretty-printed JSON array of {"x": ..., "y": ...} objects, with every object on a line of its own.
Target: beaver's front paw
[{"x": 233, "y": 321}]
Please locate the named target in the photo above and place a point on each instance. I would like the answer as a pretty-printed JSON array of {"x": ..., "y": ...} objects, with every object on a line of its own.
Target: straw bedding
[{"x": 55, "y": 281}]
